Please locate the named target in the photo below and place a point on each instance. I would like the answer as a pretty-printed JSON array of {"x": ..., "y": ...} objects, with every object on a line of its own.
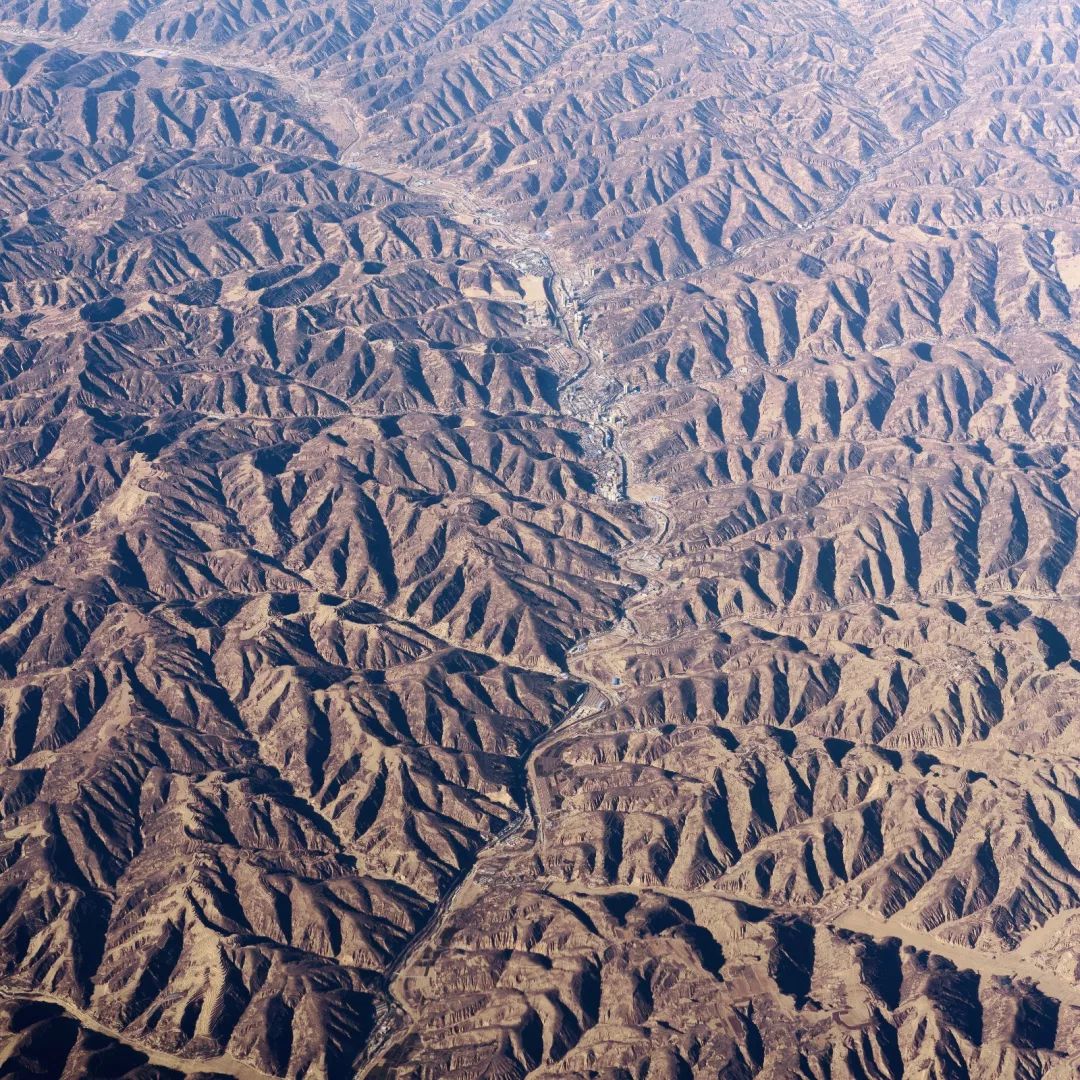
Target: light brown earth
[{"x": 539, "y": 539}]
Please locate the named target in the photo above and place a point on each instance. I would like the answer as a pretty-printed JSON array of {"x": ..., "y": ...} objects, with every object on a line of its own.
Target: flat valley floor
[{"x": 539, "y": 539}]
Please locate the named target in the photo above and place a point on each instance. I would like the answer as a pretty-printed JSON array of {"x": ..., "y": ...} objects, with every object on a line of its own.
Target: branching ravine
[
  {"x": 587, "y": 395},
  {"x": 222, "y": 1065},
  {"x": 588, "y": 404},
  {"x": 593, "y": 411}
]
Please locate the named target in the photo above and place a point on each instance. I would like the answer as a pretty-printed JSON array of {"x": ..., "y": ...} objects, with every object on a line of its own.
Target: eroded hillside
[{"x": 540, "y": 539}]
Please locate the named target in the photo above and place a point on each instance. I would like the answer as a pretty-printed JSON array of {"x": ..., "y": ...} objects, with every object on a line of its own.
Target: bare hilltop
[{"x": 540, "y": 539}]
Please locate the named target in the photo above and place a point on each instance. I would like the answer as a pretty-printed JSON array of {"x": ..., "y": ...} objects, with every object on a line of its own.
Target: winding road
[{"x": 588, "y": 396}]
